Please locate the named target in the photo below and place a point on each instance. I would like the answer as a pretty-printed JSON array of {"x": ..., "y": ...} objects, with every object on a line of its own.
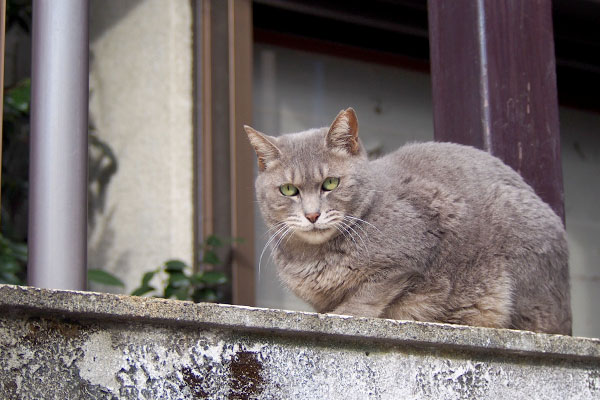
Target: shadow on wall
[
  {"x": 108, "y": 15},
  {"x": 101, "y": 238}
]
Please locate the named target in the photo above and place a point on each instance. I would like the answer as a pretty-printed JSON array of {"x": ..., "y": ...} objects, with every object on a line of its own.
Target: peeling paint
[
  {"x": 100, "y": 361},
  {"x": 594, "y": 382},
  {"x": 466, "y": 380}
]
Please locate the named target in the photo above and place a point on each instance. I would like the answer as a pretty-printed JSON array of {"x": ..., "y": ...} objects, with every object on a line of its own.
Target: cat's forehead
[
  {"x": 304, "y": 142},
  {"x": 300, "y": 174},
  {"x": 300, "y": 149},
  {"x": 304, "y": 155}
]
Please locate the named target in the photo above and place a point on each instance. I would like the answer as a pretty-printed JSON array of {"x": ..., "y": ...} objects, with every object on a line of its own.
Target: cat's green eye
[
  {"x": 330, "y": 183},
  {"x": 288, "y": 189}
]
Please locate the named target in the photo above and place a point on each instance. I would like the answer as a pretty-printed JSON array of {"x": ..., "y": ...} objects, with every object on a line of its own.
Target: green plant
[
  {"x": 13, "y": 261},
  {"x": 15, "y": 162},
  {"x": 15, "y": 140},
  {"x": 180, "y": 282},
  {"x": 103, "y": 277}
]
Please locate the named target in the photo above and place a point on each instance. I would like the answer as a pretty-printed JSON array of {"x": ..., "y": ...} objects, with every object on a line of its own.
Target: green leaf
[
  {"x": 179, "y": 279},
  {"x": 142, "y": 290},
  {"x": 210, "y": 257},
  {"x": 213, "y": 241},
  {"x": 205, "y": 295},
  {"x": 9, "y": 264},
  {"x": 19, "y": 97},
  {"x": 13, "y": 249},
  {"x": 182, "y": 293},
  {"x": 9, "y": 278},
  {"x": 174, "y": 266},
  {"x": 197, "y": 295},
  {"x": 103, "y": 277},
  {"x": 196, "y": 279},
  {"x": 169, "y": 291},
  {"x": 147, "y": 278},
  {"x": 213, "y": 278}
]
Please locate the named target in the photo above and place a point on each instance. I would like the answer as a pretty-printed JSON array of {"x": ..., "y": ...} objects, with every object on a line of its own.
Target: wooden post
[
  {"x": 224, "y": 158},
  {"x": 242, "y": 158},
  {"x": 494, "y": 85}
]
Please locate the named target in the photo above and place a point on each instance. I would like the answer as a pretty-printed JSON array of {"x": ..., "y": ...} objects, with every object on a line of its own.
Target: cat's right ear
[
  {"x": 343, "y": 133},
  {"x": 266, "y": 151}
]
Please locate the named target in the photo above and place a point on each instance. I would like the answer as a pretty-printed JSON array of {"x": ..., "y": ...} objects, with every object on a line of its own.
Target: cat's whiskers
[
  {"x": 340, "y": 229},
  {"x": 357, "y": 224},
  {"x": 344, "y": 234},
  {"x": 289, "y": 236},
  {"x": 281, "y": 229},
  {"x": 362, "y": 220},
  {"x": 274, "y": 227},
  {"x": 364, "y": 245},
  {"x": 344, "y": 226},
  {"x": 293, "y": 222},
  {"x": 283, "y": 235},
  {"x": 349, "y": 226}
]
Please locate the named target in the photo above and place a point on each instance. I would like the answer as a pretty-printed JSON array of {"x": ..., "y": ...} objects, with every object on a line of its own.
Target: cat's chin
[{"x": 315, "y": 236}]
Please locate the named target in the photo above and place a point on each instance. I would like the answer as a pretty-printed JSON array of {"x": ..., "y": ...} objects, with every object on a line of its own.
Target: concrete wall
[
  {"x": 141, "y": 106},
  {"x": 59, "y": 344}
]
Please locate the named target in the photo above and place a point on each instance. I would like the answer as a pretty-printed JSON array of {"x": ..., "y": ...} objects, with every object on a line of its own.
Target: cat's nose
[{"x": 312, "y": 217}]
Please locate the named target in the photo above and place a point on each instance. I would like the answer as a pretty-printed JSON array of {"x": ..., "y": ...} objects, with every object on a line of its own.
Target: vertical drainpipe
[{"x": 58, "y": 149}]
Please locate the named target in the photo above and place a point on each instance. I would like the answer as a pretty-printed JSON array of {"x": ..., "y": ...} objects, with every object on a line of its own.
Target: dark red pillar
[{"x": 494, "y": 85}]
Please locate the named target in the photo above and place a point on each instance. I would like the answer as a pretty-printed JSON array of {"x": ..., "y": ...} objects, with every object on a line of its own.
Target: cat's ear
[
  {"x": 343, "y": 133},
  {"x": 266, "y": 151}
]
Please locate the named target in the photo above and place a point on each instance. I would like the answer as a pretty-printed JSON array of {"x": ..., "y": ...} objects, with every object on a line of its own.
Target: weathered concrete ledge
[{"x": 64, "y": 344}]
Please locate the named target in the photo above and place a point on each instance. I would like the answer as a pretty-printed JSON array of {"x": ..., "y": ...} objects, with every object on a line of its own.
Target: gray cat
[{"x": 431, "y": 232}]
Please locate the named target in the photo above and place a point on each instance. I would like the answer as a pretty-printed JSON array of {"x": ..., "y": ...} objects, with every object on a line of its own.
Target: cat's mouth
[{"x": 315, "y": 235}]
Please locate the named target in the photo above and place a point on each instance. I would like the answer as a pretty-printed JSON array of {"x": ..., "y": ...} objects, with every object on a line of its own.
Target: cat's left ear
[
  {"x": 266, "y": 151},
  {"x": 343, "y": 133}
]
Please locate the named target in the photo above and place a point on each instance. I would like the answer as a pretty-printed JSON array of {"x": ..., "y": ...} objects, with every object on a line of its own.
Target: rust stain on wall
[{"x": 246, "y": 379}]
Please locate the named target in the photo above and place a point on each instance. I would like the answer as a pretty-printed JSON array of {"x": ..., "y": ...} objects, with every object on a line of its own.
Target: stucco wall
[
  {"x": 141, "y": 106},
  {"x": 59, "y": 344}
]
